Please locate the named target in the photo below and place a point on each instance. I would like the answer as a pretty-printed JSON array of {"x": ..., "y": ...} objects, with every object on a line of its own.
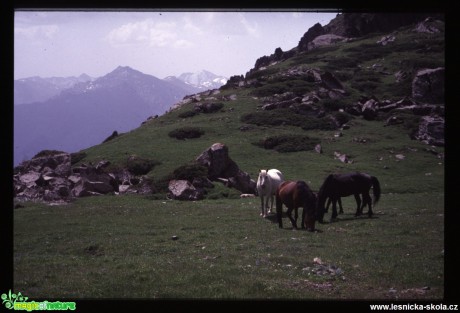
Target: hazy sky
[{"x": 69, "y": 43}]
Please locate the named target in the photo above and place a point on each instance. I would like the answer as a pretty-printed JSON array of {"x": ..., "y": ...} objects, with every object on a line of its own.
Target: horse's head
[
  {"x": 321, "y": 198},
  {"x": 320, "y": 208},
  {"x": 312, "y": 215},
  {"x": 263, "y": 179}
]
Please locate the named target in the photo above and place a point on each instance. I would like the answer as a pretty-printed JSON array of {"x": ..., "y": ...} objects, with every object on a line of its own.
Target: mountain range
[{"x": 73, "y": 113}]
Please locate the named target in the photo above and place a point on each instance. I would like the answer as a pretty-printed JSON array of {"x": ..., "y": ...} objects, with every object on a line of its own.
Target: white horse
[{"x": 267, "y": 184}]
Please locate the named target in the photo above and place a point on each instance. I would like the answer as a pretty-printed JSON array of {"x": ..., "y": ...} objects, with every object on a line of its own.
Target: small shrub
[
  {"x": 190, "y": 171},
  {"x": 185, "y": 172},
  {"x": 77, "y": 157},
  {"x": 342, "y": 117},
  {"x": 186, "y": 133},
  {"x": 280, "y": 85},
  {"x": 208, "y": 107},
  {"x": 288, "y": 143},
  {"x": 332, "y": 105},
  {"x": 323, "y": 123},
  {"x": 113, "y": 136},
  {"x": 287, "y": 117},
  {"x": 140, "y": 166},
  {"x": 187, "y": 114}
]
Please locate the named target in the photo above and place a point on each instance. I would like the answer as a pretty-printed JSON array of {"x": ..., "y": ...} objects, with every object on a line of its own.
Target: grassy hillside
[
  {"x": 123, "y": 246},
  {"x": 352, "y": 64}
]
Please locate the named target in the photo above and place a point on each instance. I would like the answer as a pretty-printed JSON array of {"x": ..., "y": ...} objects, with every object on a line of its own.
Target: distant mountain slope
[
  {"x": 203, "y": 80},
  {"x": 38, "y": 89},
  {"x": 87, "y": 113}
]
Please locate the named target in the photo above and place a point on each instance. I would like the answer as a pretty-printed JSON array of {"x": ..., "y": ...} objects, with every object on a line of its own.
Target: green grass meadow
[{"x": 123, "y": 247}]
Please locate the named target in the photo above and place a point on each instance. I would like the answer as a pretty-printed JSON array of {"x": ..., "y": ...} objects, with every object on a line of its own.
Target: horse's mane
[{"x": 324, "y": 187}]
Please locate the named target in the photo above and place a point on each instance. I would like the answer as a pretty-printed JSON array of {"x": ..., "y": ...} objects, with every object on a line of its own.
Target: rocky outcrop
[
  {"x": 431, "y": 130},
  {"x": 361, "y": 24},
  {"x": 328, "y": 87},
  {"x": 428, "y": 86},
  {"x": 51, "y": 178},
  {"x": 222, "y": 168},
  {"x": 184, "y": 190}
]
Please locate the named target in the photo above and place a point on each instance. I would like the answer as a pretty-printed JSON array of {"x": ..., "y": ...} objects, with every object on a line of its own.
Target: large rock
[
  {"x": 431, "y": 130},
  {"x": 86, "y": 187},
  {"x": 184, "y": 190},
  {"x": 369, "y": 109},
  {"x": 222, "y": 168},
  {"x": 312, "y": 33},
  {"x": 428, "y": 86},
  {"x": 324, "y": 40}
]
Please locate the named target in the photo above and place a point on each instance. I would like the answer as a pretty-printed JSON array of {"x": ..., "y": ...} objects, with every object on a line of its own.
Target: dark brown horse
[
  {"x": 295, "y": 194},
  {"x": 344, "y": 185},
  {"x": 339, "y": 201}
]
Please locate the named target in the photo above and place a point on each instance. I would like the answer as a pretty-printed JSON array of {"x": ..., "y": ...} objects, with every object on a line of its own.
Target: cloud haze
[{"x": 69, "y": 43}]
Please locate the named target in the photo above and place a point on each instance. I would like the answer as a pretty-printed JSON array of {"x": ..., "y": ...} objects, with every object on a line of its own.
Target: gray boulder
[
  {"x": 428, "y": 86},
  {"x": 222, "y": 168},
  {"x": 431, "y": 130},
  {"x": 184, "y": 190}
]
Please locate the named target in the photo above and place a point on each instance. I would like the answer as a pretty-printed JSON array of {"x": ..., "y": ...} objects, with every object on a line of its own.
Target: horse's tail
[{"x": 376, "y": 188}]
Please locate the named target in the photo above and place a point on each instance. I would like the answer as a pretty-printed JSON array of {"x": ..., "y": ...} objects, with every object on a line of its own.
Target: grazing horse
[
  {"x": 339, "y": 201},
  {"x": 295, "y": 194},
  {"x": 267, "y": 184},
  {"x": 344, "y": 185}
]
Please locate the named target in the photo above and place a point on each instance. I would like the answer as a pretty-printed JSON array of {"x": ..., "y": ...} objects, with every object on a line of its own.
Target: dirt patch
[{"x": 94, "y": 250}]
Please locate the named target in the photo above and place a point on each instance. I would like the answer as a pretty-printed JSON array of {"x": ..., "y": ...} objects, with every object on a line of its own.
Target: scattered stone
[{"x": 318, "y": 149}]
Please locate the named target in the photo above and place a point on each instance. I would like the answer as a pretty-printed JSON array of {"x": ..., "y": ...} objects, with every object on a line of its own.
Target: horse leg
[
  {"x": 359, "y": 208},
  {"x": 334, "y": 209},
  {"x": 289, "y": 214},
  {"x": 327, "y": 205},
  {"x": 271, "y": 205},
  {"x": 304, "y": 213},
  {"x": 262, "y": 205},
  {"x": 369, "y": 204},
  {"x": 279, "y": 211},
  {"x": 340, "y": 206},
  {"x": 296, "y": 215}
]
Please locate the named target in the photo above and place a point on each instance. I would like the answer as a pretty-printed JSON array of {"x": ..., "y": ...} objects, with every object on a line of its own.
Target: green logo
[{"x": 14, "y": 301}]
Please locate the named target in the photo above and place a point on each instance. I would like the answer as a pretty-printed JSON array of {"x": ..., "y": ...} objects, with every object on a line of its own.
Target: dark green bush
[
  {"x": 208, "y": 107},
  {"x": 287, "y": 117},
  {"x": 274, "y": 118},
  {"x": 186, "y": 133},
  {"x": 332, "y": 104},
  {"x": 323, "y": 123},
  {"x": 140, "y": 166},
  {"x": 280, "y": 85},
  {"x": 187, "y": 114},
  {"x": 77, "y": 157},
  {"x": 185, "y": 172},
  {"x": 190, "y": 171},
  {"x": 288, "y": 143},
  {"x": 342, "y": 117}
]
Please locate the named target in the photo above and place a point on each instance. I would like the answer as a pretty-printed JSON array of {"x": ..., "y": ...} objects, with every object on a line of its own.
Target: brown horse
[
  {"x": 295, "y": 194},
  {"x": 343, "y": 185}
]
